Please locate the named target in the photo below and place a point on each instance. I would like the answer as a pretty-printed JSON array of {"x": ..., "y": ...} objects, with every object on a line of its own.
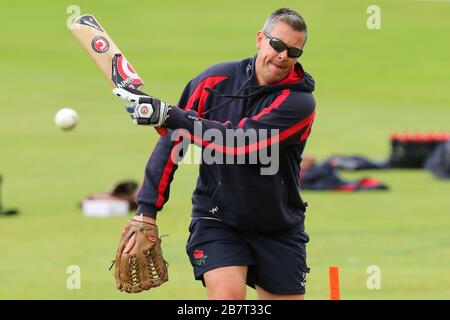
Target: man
[{"x": 247, "y": 227}]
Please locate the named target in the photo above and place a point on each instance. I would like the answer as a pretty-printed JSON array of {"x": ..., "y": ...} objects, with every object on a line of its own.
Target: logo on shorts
[
  {"x": 199, "y": 257},
  {"x": 214, "y": 210},
  {"x": 100, "y": 44},
  {"x": 303, "y": 282}
]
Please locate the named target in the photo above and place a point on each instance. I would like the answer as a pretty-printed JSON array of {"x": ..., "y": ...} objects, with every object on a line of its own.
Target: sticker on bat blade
[
  {"x": 99, "y": 44},
  {"x": 89, "y": 21},
  {"x": 123, "y": 74}
]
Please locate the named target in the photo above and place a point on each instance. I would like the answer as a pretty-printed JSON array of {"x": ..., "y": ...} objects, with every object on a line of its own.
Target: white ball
[{"x": 66, "y": 118}]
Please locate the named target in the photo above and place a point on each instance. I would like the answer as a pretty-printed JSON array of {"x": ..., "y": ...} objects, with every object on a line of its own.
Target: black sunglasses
[{"x": 280, "y": 46}]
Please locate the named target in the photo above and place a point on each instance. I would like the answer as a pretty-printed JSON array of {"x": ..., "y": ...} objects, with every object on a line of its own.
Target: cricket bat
[{"x": 105, "y": 53}]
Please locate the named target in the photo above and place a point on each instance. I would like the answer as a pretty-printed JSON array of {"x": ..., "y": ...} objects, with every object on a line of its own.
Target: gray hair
[{"x": 291, "y": 17}]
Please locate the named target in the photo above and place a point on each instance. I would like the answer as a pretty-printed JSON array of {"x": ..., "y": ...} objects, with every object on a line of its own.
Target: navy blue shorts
[{"x": 276, "y": 262}]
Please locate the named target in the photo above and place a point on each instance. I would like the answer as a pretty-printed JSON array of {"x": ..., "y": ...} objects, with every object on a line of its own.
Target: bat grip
[{"x": 162, "y": 131}]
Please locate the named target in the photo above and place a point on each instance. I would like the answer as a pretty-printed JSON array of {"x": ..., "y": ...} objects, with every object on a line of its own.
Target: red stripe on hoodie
[
  {"x": 275, "y": 104},
  {"x": 199, "y": 93},
  {"x": 258, "y": 145},
  {"x": 202, "y": 94}
]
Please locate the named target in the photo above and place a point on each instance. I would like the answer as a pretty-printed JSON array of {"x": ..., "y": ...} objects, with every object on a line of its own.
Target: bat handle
[{"x": 162, "y": 131}]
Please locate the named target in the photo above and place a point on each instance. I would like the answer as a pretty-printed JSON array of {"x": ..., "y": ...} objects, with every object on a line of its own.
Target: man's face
[{"x": 273, "y": 66}]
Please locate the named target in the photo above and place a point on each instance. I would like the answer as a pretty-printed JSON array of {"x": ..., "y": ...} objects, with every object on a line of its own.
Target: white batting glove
[{"x": 145, "y": 110}]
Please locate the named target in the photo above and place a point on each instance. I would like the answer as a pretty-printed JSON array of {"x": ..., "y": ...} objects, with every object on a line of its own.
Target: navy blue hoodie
[{"x": 225, "y": 97}]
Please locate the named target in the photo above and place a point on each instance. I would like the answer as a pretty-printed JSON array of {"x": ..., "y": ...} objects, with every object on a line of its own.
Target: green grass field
[{"x": 369, "y": 83}]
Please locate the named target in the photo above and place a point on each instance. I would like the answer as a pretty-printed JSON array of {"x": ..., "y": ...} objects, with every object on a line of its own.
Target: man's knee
[
  {"x": 227, "y": 283},
  {"x": 226, "y": 292}
]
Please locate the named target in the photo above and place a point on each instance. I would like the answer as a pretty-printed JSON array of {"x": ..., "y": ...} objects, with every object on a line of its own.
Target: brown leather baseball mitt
[{"x": 143, "y": 267}]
